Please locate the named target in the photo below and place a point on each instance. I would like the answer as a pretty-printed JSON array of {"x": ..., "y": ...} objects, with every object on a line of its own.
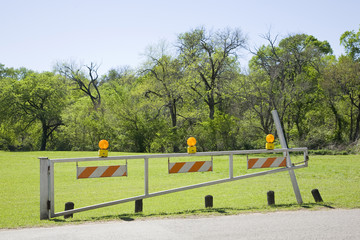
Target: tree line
[{"x": 193, "y": 87}]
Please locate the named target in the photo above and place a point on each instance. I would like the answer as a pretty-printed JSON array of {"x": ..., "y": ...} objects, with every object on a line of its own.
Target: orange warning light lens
[
  {"x": 191, "y": 141},
  {"x": 270, "y": 138},
  {"x": 103, "y": 144}
]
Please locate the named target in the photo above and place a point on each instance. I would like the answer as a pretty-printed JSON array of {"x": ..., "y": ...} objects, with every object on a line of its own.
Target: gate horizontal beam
[{"x": 167, "y": 155}]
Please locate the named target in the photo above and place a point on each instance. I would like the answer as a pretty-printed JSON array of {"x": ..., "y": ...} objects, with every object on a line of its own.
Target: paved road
[{"x": 325, "y": 224}]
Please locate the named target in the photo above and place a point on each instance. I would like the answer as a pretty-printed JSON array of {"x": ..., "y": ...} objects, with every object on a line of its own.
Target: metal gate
[{"x": 47, "y": 199}]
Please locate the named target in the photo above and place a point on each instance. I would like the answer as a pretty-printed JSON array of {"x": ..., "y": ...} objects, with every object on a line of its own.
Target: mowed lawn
[{"x": 336, "y": 177}]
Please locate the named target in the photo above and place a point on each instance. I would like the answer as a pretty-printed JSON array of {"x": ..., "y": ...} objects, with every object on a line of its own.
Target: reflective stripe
[
  {"x": 266, "y": 162},
  {"x": 102, "y": 171},
  {"x": 183, "y": 167}
]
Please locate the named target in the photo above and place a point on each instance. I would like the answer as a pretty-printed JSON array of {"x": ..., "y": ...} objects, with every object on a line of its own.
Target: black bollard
[
  {"x": 271, "y": 198},
  {"x": 69, "y": 206},
  {"x": 316, "y": 195},
  {"x": 138, "y": 205},
  {"x": 209, "y": 201}
]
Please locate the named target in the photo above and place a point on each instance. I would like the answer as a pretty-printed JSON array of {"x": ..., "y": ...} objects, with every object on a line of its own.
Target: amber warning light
[
  {"x": 103, "y": 145},
  {"x": 270, "y": 142},
  {"x": 191, "y": 145}
]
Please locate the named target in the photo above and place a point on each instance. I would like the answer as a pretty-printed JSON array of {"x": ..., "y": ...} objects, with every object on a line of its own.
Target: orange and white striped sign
[
  {"x": 102, "y": 171},
  {"x": 184, "y": 167},
  {"x": 266, "y": 162}
]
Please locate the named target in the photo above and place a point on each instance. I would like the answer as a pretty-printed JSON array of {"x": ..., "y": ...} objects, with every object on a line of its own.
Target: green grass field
[{"x": 336, "y": 177}]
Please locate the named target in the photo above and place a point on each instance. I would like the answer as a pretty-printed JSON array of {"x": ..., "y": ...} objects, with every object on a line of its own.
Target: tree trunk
[
  {"x": 175, "y": 142},
  {"x": 211, "y": 104},
  {"x": 299, "y": 129},
  {"x": 172, "y": 108},
  {"x": 173, "y": 115},
  {"x": 357, "y": 126},
  {"x": 338, "y": 123},
  {"x": 351, "y": 123},
  {"x": 44, "y": 135}
]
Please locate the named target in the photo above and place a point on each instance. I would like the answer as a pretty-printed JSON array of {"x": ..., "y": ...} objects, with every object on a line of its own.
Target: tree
[
  {"x": 342, "y": 84},
  {"x": 257, "y": 95},
  {"x": 40, "y": 97},
  {"x": 124, "y": 73},
  {"x": 292, "y": 70},
  {"x": 88, "y": 82},
  {"x": 134, "y": 122},
  {"x": 164, "y": 81},
  {"x": 351, "y": 42},
  {"x": 12, "y": 134},
  {"x": 210, "y": 55}
]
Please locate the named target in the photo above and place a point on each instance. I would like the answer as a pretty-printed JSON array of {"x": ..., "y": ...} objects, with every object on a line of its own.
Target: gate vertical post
[
  {"x": 51, "y": 189},
  {"x": 146, "y": 176},
  {"x": 231, "y": 167},
  {"x": 44, "y": 188},
  {"x": 283, "y": 143}
]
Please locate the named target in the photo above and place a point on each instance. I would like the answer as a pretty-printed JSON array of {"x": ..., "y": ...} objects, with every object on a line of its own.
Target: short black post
[
  {"x": 138, "y": 205},
  {"x": 316, "y": 195},
  {"x": 271, "y": 198},
  {"x": 209, "y": 201},
  {"x": 69, "y": 206}
]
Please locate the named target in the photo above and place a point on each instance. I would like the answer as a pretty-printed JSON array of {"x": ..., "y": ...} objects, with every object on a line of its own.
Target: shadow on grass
[
  {"x": 123, "y": 217},
  {"x": 201, "y": 212},
  {"x": 304, "y": 205}
]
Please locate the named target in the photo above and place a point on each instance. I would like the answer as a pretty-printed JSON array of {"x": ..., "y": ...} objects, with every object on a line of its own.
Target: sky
[{"x": 37, "y": 34}]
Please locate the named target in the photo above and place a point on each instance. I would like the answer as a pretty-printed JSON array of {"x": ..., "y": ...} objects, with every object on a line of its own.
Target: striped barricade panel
[
  {"x": 266, "y": 162},
  {"x": 102, "y": 171},
  {"x": 184, "y": 167}
]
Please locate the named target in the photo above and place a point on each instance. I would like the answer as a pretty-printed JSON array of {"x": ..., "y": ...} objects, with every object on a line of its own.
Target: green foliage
[
  {"x": 342, "y": 90},
  {"x": 135, "y": 123},
  {"x": 217, "y": 134},
  {"x": 351, "y": 41},
  {"x": 195, "y": 89},
  {"x": 286, "y": 77},
  {"x": 210, "y": 57},
  {"x": 32, "y": 100},
  {"x": 83, "y": 126}
]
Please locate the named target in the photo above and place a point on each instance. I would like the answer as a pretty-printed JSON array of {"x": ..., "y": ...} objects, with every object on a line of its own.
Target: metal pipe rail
[{"x": 167, "y": 155}]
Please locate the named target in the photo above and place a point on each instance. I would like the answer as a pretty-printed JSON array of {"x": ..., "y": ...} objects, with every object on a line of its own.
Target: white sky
[{"x": 37, "y": 33}]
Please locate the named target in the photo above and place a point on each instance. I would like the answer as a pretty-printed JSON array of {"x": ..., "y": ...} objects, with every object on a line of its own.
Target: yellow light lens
[
  {"x": 103, "y": 144},
  {"x": 191, "y": 141},
  {"x": 270, "y": 138}
]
